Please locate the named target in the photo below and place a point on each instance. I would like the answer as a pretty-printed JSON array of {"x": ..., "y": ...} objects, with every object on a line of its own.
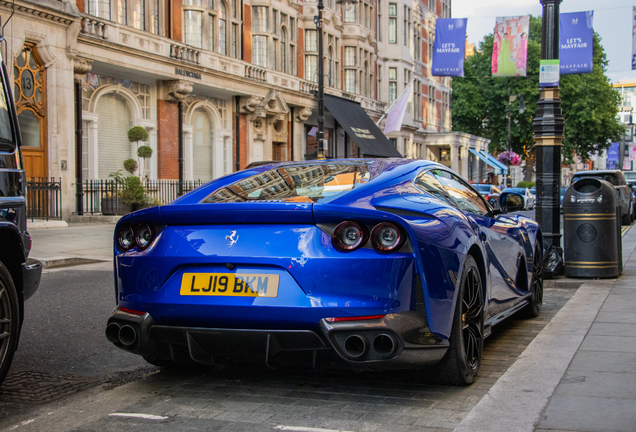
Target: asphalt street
[{"x": 63, "y": 339}]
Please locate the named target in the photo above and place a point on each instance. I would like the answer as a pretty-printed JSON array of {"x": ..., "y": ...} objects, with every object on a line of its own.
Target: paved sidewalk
[
  {"x": 579, "y": 373},
  {"x": 598, "y": 390},
  {"x": 73, "y": 245}
]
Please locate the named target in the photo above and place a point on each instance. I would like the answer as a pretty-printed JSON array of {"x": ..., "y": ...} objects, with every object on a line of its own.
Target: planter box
[{"x": 115, "y": 206}]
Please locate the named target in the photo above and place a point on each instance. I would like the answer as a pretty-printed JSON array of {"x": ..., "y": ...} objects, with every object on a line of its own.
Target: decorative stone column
[{"x": 454, "y": 156}]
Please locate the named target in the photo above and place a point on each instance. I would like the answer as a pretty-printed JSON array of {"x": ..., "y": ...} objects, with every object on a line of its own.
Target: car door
[{"x": 498, "y": 234}]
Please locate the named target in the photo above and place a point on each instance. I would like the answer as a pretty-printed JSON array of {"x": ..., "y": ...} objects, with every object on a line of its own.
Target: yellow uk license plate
[{"x": 229, "y": 284}]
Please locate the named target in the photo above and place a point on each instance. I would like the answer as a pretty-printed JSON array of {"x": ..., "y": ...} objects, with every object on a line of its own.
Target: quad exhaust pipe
[{"x": 125, "y": 335}]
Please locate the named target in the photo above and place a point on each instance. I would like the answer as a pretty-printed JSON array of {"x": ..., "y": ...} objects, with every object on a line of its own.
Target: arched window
[
  {"x": 115, "y": 118},
  {"x": 222, "y": 28},
  {"x": 202, "y": 145},
  {"x": 283, "y": 49}
]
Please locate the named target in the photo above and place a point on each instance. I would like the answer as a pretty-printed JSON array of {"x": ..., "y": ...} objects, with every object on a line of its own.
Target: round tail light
[
  {"x": 348, "y": 236},
  {"x": 125, "y": 237},
  {"x": 386, "y": 237},
  {"x": 143, "y": 235}
]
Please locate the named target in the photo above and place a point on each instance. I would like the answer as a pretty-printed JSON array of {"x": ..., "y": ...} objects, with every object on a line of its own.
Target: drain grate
[{"x": 39, "y": 387}]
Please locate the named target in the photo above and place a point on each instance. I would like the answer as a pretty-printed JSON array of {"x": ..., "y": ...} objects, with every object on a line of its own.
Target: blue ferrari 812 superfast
[{"x": 370, "y": 264}]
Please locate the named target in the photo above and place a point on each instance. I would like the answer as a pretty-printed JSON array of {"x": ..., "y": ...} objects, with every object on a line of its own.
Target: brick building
[{"x": 242, "y": 72}]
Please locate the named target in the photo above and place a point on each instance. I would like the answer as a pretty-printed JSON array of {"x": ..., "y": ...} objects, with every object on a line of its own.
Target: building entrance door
[{"x": 30, "y": 98}]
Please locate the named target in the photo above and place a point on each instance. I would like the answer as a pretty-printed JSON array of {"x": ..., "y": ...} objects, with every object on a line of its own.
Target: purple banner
[
  {"x": 576, "y": 37},
  {"x": 449, "y": 47},
  {"x": 612, "y": 153}
]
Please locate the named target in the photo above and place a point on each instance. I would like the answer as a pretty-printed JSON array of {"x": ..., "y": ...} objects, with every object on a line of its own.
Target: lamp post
[
  {"x": 320, "y": 135},
  {"x": 548, "y": 127},
  {"x": 522, "y": 109}
]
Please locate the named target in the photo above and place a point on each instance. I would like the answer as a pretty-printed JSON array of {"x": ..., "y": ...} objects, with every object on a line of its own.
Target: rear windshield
[
  {"x": 612, "y": 178},
  {"x": 295, "y": 183}
]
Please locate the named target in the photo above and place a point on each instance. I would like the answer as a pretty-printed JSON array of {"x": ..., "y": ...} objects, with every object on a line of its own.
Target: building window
[
  {"x": 259, "y": 50},
  {"x": 202, "y": 145},
  {"x": 235, "y": 39},
  {"x": 431, "y": 38},
  {"x": 407, "y": 26},
  {"x": 283, "y": 50},
  {"x": 417, "y": 42},
  {"x": 365, "y": 80},
  {"x": 139, "y": 14},
  {"x": 431, "y": 5},
  {"x": 99, "y": 8},
  {"x": 194, "y": 28},
  {"x": 350, "y": 13},
  {"x": 311, "y": 59},
  {"x": 393, "y": 23},
  {"x": 259, "y": 19},
  {"x": 417, "y": 101},
  {"x": 235, "y": 9},
  {"x": 350, "y": 56},
  {"x": 445, "y": 98},
  {"x": 393, "y": 142},
  {"x": 350, "y": 80},
  {"x": 122, "y": 12},
  {"x": 330, "y": 67},
  {"x": 431, "y": 112},
  {"x": 392, "y": 85},
  {"x": 211, "y": 32},
  {"x": 222, "y": 29},
  {"x": 379, "y": 28},
  {"x": 154, "y": 17}
]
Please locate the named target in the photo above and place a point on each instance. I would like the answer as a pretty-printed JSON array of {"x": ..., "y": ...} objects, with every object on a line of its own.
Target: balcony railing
[
  {"x": 185, "y": 53},
  {"x": 95, "y": 27},
  {"x": 255, "y": 73}
]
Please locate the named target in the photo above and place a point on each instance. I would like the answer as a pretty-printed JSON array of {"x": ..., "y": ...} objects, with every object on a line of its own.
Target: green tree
[{"x": 589, "y": 103}]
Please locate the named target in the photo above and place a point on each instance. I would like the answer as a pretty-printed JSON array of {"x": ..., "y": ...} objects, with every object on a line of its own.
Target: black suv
[
  {"x": 616, "y": 178},
  {"x": 19, "y": 275}
]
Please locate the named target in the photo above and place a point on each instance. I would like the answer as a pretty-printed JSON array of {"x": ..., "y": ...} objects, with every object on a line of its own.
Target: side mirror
[{"x": 511, "y": 202}]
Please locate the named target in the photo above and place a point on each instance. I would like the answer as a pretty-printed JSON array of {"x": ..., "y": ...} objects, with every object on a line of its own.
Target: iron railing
[
  {"x": 104, "y": 196},
  {"x": 44, "y": 198}
]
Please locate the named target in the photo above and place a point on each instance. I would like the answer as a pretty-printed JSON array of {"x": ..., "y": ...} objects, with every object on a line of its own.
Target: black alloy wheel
[
  {"x": 9, "y": 321},
  {"x": 536, "y": 285},
  {"x": 472, "y": 318},
  {"x": 463, "y": 358}
]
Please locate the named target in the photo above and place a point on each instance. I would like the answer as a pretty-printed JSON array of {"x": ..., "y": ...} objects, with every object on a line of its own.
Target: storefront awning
[
  {"x": 360, "y": 128},
  {"x": 491, "y": 161}
]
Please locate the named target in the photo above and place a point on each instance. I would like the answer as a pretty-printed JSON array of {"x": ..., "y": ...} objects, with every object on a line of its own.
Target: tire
[
  {"x": 460, "y": 364},
  {"x": 9, "y": 321},
  {"x": 536, "y": 285}
]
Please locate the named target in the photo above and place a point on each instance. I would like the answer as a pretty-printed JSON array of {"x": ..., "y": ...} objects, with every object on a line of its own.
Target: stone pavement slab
[{"x": 598, "y": 390}]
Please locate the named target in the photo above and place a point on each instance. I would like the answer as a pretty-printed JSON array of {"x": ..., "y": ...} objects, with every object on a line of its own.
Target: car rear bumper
[
  {"x": 396, "y": 341},
  {"x": 31, "y": 274}
]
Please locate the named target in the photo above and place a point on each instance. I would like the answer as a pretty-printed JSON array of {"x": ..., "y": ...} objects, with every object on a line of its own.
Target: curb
[
  {"x": 67, "y": 262},
  {"x": 41, "y": 224}
]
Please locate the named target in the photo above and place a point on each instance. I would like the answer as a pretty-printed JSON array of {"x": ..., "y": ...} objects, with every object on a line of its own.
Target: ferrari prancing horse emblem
[{"x": 230, "y": 239}]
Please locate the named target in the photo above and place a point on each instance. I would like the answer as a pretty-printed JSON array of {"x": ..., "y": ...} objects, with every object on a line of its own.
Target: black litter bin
[{"x": 592, "y": 230}]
